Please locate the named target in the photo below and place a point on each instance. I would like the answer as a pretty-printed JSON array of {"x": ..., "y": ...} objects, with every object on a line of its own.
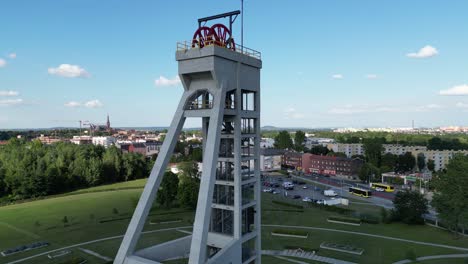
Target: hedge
[
  {"x": 345, "y": 219},
  {"x": 288, "y": 204},
  {"x": 293, "y": 232}
]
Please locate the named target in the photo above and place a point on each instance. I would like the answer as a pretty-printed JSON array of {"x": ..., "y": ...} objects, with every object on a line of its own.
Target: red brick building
[{"x": 328, "y": 165}]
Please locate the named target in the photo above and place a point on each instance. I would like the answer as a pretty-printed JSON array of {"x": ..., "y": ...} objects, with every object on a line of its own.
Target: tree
[
  {"x": 431, "y": 165},
  {"x": 405, "y": 162},
  {"x": 388, "y": 162},
  {"x": 369, "y": 173},
  {"x": 168, "y": 190},
  {"x": 187, "y": 193},
  {"x": 336, "y": 154},
  {"x": 409, "y": 207},
  {"x": 299, "y": 138},
  {"x": 373, "y": 150},
  {"x": 319, "y": 150},
  {"x": 421, "y": 161},
  {"x": 450, "y": 196},
  {"x": 283, "y": 140}
]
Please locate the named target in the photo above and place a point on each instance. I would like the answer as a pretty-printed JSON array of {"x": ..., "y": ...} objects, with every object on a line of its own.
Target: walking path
[
  {"x": 91, "y": 242},
  {"x": 304, "y": 255},
  {"x": 372, "y": 235},
  {"x": 433, "y": 257},
  {"x": 97, "y": 255},
  {"x": 24, "y": 232}
]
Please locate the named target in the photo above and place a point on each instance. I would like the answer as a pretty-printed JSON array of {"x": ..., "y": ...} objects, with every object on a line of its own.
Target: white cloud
[
  {"x": 3, "y": 63},
  {"x": 73, "y": 104},
  {"x": 371, "y": 76},
  {"x": 9, "y": 93},
  {"x": 12, "y": 56},
  {"x": 163, "y": 81},
  {"x": 428, "y": 107},
  {"x": 11, "y": 102},
  {"x": 291, "y": 113},
  {"x": 456, "y": 90},
  {"x": 337, "y": 76},
  {"x": 93, "y": 104},
  {"x": 69, "y": 71},
  {"x": 424, "y": 52}
]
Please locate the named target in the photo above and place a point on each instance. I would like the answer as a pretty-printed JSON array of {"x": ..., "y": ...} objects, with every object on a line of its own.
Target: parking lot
[{"x": 301, "y": 188}]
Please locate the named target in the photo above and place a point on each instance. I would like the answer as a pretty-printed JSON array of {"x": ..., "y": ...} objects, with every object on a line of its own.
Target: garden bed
[{"x": 342, "y": 248}]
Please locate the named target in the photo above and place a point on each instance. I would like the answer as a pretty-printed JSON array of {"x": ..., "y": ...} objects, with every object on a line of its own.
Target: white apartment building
[
  {"x": 441, "y": 158},
  {"x": 81, "y": 140},
  {"x": 398, "y": 149},
  {"x": 350, "y": 149},
  {"x": 104, "y": 141}
]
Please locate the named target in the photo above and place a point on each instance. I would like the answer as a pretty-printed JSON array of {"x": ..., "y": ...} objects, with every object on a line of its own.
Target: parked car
[
  {"x": 307, "y": 199},
  {"x": 268, "y": 190},
  {"x": 320, "y": 202},
  {"x": 380, "y": 189},
  {"x": 297, "y": 196},
  {"x": 304, "y": 187},
  {"x": 317, "y": 189},
  {"x": 275, "y": 192}
]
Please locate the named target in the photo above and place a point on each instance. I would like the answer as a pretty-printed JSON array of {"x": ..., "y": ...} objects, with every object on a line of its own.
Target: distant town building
[
  {"x": 311, "y": 142},
  {"x": 292, "y": 160},
  {"x": 152, "y": 147},
  {"x": 48, "y": 140},
  {"x": 329, "y": 165},
  {"x": 81, "y": 140},
  {"x": 267, "y": 143},
  {"x": 104, "y": 141},
  {"x": 270, "y": 159}
]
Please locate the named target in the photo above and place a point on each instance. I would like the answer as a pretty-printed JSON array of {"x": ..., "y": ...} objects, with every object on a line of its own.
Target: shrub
[{"x": 293, "y": 232}]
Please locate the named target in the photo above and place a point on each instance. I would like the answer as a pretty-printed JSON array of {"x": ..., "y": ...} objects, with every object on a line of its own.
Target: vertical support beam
[
  {"x": 258, "y": 214},
  {"x": 198, "y": 248},
  {"x": 237, "y": 159},
  {"x": 151, "y": 188}
]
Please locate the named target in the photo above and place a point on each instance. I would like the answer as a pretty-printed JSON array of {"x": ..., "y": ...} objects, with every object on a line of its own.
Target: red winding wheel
[
  {"x": 203, "y": 36},
  {"x": 223, "y": 36}
]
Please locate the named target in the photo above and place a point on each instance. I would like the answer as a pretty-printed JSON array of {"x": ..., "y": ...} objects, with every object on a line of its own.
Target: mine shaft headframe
[{"x": 218, "y": 34}]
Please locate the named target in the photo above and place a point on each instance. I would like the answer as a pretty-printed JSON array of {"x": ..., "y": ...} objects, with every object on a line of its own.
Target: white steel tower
[{"x": 222, "y": 87}]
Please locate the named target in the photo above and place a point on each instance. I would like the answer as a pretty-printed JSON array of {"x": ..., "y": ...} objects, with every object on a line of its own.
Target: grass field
[{"x": 42, "y": 220}]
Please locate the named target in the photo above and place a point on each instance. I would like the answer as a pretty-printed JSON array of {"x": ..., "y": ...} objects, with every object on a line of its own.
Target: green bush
[
  {"x": 290, "y": 232},
  {"x": 288, "y": 204},
  {"x": 345, "y": 219}
]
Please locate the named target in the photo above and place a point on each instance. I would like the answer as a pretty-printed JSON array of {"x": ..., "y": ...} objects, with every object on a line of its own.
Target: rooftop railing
[{"x": 187, "y": 45}]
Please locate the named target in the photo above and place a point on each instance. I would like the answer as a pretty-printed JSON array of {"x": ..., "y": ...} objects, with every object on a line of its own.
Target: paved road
[{"x": 372, "y": 235}]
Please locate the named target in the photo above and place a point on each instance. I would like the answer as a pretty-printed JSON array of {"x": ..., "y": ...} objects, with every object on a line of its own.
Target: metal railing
[{"x": 187, "y": 45}]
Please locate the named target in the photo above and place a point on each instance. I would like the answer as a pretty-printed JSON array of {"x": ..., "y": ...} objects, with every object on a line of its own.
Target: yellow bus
[
  {"x": 385, "y": 187},
  {"x": 360, "y": 192}
]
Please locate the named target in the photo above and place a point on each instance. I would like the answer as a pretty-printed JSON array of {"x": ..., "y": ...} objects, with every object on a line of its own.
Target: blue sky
[{"x": 333, "y": 63}]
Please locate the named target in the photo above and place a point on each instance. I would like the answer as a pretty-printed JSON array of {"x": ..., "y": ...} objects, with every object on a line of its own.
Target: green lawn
[{"x": 42, "y": 220}]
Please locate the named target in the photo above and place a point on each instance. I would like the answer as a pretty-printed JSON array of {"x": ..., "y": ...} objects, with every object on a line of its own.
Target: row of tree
[{"x": 31, "y": 169}]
